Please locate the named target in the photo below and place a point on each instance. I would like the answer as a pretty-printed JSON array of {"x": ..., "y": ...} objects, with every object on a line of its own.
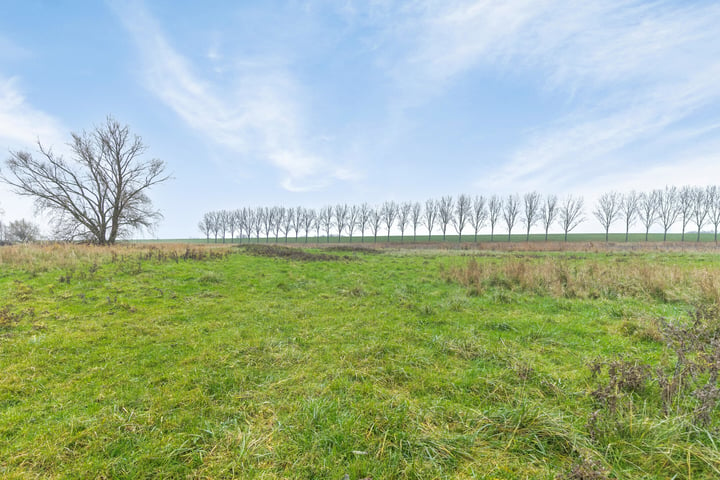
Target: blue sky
[{"x": 319, "y": 102}]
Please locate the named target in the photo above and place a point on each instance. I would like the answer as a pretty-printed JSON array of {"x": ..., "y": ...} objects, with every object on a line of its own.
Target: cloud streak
[
  {"x": 258, "y": 116},
  {"x": 21, "y": 124}
]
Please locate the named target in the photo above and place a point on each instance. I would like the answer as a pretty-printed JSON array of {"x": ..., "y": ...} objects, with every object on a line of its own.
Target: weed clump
[{"x": 290, "y": 253}]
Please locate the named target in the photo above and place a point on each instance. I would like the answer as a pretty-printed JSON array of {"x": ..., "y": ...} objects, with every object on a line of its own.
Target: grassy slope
[{"x": 251, "y": 366}]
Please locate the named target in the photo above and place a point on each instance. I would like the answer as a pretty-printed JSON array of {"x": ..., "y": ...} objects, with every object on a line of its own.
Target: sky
[{"x": 321, "y": 102}]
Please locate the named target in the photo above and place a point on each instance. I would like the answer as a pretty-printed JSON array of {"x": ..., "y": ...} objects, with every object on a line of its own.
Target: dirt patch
[
  {"x": 290, "y": 253},
  {"x": 353, "y": 249}
]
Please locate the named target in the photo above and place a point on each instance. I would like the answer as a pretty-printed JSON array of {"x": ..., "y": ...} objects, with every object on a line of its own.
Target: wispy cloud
[
  {"x": 629, "y": 72},
  {"x": 258, "y": 116},
  {"x": 21, "y": 124}
]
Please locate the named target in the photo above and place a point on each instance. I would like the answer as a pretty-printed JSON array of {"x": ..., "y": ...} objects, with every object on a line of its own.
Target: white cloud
[
  {"x": 631, "y": 72},
  {"x": 258, "y": 116},
  {"x": 21, "y": 124}
]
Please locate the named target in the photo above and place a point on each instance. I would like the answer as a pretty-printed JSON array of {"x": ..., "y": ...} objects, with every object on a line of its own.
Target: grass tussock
[{"x": 592, "y": 279}]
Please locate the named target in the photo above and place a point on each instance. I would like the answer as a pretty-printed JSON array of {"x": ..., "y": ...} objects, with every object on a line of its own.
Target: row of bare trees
[
  {"x": 697, "y": 206},
  {"x": 443, "y": 215}
]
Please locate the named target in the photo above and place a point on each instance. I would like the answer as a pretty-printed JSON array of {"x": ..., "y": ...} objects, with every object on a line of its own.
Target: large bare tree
[
  {"x": 479, "y": 214},
  {"x": 647, "y": 210},
  {"x": 99, "y": 195},
  {"x": 445, "y": 212},
  {"x": 668, "y": 209}
]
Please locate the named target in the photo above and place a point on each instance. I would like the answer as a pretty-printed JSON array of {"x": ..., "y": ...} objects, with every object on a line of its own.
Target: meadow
[{"x": 359, "y": 362}]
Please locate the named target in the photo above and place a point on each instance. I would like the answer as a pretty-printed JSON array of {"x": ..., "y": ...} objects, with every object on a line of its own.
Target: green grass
[{"x": 376, "y": 365}]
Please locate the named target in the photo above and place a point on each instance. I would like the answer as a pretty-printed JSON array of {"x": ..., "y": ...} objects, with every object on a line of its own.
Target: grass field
[
  {"x": 467, "y": 238},
  {"x": 195, "y": 361}
]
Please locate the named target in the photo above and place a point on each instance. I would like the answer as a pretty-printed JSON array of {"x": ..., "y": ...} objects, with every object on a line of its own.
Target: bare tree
[
  {"x": 685, "y": 207},
  {"x": 308, "y": 221},
  {"x": 258, "y": 222},
  {"x": 364, "y": 219},
  {"x": 279, "y": 217},
  {"x": 298, "y": 221},
  {"x": 667, "y": 208},
  {"x": 495, "y": 207},
  {"x": 389, "y": 212},
  {"x": 607, "y": 210},
  {"x": 205, "y": 225},
  {"x": 224, "y": 219},
  {"x": 532, "y": 203},
  {"x": 629, "y": 210},
  {"x": 341, "y": 214},
  {"x": 416, "y": 218},
  {"x": 317, "y": 225},
  {"x": 463, "y": 210},
  {"x": 326, "y": 220},
  {"x": 288, "y": 222},
  {"x": 647, "y": 210},
  {"x": 510, "y": 212},
  {"x": 22, "y": 231},
  {"x": 571, "y": 214},
  {"x": 268, "y": 220},
  {"x": 549, "y": 213},
  {"x": 445, "y": 212},
  {"x": 404, "y": 211},
  {"x": 478, "y": 215},
  {"x": 353, "y": 216},
  {"x": 374, "y": 221},
  {"x": 101, "y": 195},
  {"x": 713, "y": 200},
  {"x": 215, "y": 223},
  {"x": 431, "y": 210},
  {"x": 700, "y": 208}
]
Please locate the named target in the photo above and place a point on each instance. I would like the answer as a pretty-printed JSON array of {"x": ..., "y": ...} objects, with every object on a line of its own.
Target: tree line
[{"x": 469, "y": 215}]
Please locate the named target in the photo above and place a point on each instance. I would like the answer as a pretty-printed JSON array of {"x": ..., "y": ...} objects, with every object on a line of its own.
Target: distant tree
[
  {"x": 308, "y": 221},
  {"x": 205, "y": 225},
  {"x": 445, "y": 212},
  {"x": 223, "y": 225},
  {"x": 607, "y": 210},
  {"x": 258, "y": 222},
  {"x": 389, "y": 212},
  {"x": 549, "y": 213},
  {"x": 279, "y": 216},
  {"x": 298, "y": 224},
  {"x": 647, "y": 210},
  {"x": 571, "y": 214},
  {"x": 629, "y": 210},
  {"x": 375, "y": 220},
  {"x": 268, "y": 221},
  {"x": 288, "y": 222},
  {"x": 416, "y": 218},
  {"x": 364, "y": 219},
  {"x": 353, "y": 217},
  {"x": 713, "y": 200},
  {"x": 326, "y": 219},
  {"x": 403, "y": 219},
  {"x": 700, "y": 208},
  {"x": 511, "y": 210},
  {"x": 101, "y": 195},
  {"x": 495, "y": 208},
  {"x": 685, "y": 207},
  {"x": 431, "y": 210},
  {"x": 478, "y": 215},
  {"x": 240, "y": 215},
  {"x": 341, "y": 217},
  {"x": 317, "y": 224},
  {"x": 216, "y": 224},
  {"x": 463, "y": 211},
  {"x": 667, "y": 208},
  {"x": 532, "y": 213},
  {"x": 22, "y": 231}
]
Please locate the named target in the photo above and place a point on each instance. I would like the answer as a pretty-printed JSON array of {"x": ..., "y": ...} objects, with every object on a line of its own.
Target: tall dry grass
[
  {"x": 589, "y": 279},
  {"x": 42, "y": 257}
]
